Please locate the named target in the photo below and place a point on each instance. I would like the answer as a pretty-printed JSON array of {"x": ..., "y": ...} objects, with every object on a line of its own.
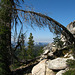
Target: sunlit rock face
[
  {"x": 39, "y": 69},
  {"x": 57, "y": 64},
  {"x": 42, "y": 69},
  {"x": 71, "y": 28},
  {"x": 60, "y": 72}
]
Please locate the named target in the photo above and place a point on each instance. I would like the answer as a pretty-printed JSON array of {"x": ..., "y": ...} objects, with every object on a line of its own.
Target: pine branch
[{"x": 51, "y": 21}]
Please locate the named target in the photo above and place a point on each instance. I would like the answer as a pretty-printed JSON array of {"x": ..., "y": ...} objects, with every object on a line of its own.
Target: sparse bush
[
  {"x": 69, "y": 72},
  {"x": 57, "y": 41},
  {"x": 71, "y": 65}
]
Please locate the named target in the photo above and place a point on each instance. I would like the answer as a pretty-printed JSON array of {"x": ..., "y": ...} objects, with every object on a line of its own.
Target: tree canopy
[{"x": 30, "y": 50}]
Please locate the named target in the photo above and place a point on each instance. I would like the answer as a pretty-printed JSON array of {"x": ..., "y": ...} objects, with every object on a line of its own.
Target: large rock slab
[
  {"x": 61, "y": 72},
  {"x": 57, "y": 64},
  {"x": 39, "y": 69},
  {"x": 42, "y": 69},
  {"x": 49, "y": 72},
  {"x": 46, "y": 52}
]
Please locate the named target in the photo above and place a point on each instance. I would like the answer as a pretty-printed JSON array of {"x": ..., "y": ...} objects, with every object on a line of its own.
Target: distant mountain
[
  {"x": 40, "y": 43},
  {"x": 35, "y": 44}
]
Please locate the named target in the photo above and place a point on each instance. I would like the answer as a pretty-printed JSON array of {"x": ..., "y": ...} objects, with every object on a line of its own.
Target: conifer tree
[
  {"x": 4, "y": 41},
  {"x": 4, "y": 54},
  {"x": 22, "y": 46},
  {"x": 30, "y": 50}
]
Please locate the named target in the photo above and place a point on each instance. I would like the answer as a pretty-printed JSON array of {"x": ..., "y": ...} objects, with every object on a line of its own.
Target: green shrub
[
  {"x": 71, "y": 63},
  {"x": 69, "y": 72}
]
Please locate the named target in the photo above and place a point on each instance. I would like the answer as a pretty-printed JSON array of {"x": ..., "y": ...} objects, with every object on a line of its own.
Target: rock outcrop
[
  {"x": 42, "y": 69},
  {"x": 61, "y": 72},
  {"x": 48, "y": 51},
  {"x": 57, "y": 64},
  {"x": 71, "y": 28},
  {"x": 49, "y": 72},
  {"x": 39, "y": 69},
  {"x": 49, "y": 62}
]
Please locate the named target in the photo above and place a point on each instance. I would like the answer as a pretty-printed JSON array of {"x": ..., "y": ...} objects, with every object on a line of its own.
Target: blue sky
[{"x": 62, "y": 11}]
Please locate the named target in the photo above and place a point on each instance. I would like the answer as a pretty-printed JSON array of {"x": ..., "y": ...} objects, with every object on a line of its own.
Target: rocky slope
[
  {"x": 55, "y": 66},
  {"x": 53, "y": 61},
  {"x": 71, "y": 28}
]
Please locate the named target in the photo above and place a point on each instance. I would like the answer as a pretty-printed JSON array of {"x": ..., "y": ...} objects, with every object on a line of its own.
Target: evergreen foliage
[
  {"x": 71, "y": 65},
  {"x": 4, "y": 33},
  {"x": 57, "y": 42},
  {"x": 38, "y": 50},
  {"x": 4, "y": 54},
  {"x": 69, "y": 72},
  {"x": 22, "y": 51},
  {"x": 30, "y": 47}
]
